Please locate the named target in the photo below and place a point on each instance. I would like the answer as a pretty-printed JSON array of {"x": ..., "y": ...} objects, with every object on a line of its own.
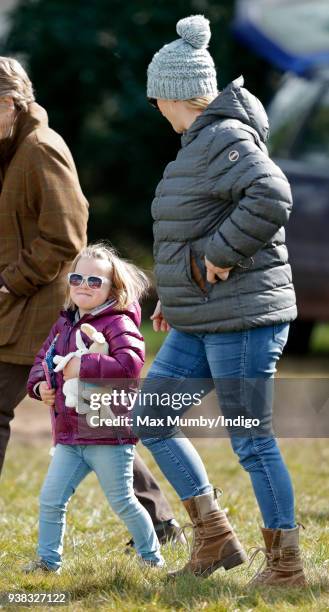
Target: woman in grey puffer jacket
[{"x": 225, "y": 289}]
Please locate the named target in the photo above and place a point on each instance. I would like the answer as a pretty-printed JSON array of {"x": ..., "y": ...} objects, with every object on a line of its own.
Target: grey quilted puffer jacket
[{"x": 225, "y": 199}]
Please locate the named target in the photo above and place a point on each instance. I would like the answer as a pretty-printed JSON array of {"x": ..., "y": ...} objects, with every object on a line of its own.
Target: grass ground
[
  {"x": 99, "y": 576},
  {"x": 320, "y": 338}
]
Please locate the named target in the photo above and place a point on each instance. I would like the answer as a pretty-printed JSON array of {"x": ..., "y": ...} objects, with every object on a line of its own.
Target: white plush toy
[{"x": 99, "y": 345}]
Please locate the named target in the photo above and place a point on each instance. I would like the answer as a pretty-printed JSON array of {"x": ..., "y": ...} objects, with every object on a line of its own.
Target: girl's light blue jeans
[
  {"x": 228, "y": 360},
  {"x": 113, "y": 466}
]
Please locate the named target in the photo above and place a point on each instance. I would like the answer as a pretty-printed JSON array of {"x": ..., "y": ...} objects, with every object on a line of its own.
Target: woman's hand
[
  {"x": 213, "y": 271},
  {"x": 4, "y": 289},
  {"x": 47, "y": 395},
  {"x": 159, "y": 323},
  {"x": 72, "y": 369}
]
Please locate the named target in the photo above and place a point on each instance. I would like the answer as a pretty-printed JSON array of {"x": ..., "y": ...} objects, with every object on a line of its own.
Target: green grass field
[
  {"x": 99, "y": 576},
  {"x": 319, "y": 343}
]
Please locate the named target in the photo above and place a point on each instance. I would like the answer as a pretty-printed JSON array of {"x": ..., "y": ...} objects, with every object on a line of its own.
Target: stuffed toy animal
[{"x": 71, "y": 387}]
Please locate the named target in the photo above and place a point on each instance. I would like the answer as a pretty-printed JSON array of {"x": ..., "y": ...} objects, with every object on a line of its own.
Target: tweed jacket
[{"x": 43, "y": 226}]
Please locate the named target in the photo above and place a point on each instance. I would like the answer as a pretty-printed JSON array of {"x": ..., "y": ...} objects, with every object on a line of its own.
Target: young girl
[{"x": 103, "y": 290}]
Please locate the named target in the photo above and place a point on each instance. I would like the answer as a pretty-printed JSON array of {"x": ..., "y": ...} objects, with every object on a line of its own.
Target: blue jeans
[
  {"x": 113, "y": 466},
  {"x": 228, "y": 360}
]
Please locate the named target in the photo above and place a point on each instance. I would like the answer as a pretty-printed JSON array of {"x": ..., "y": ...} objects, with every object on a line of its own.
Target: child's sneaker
[
  {"x": 152, "y": 562},
  {"x": 39, "y": 565}
]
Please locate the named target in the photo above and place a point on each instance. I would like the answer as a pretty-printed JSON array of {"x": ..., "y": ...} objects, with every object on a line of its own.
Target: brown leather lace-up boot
[
  {"x": 214, "y": 543},
  {"x": 283, "y": 561}
]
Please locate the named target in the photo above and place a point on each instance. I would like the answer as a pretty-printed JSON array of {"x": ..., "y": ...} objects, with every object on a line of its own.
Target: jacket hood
[
  {"x": 133, "y": 311},
  {"x": 234, "y": 102}
]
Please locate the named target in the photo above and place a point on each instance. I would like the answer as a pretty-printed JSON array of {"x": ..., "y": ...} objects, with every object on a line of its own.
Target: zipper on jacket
[{"x": 66, "y": 416}]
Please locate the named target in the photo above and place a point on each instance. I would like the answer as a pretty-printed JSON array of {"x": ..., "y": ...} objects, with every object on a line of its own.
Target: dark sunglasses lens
[
  {"x": 153, "y": 102},
  {"x": 75, "y": 280},
  {"x": 94, "y": 282}
]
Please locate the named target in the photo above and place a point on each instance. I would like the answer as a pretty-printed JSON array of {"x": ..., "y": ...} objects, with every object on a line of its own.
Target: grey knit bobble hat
[{"x": 184, "y": 69}]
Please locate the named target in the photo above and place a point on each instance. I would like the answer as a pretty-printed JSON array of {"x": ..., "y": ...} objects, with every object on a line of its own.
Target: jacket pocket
[
  {"x": 195, "y": 274},
  {"x": 280, "y": 332}
]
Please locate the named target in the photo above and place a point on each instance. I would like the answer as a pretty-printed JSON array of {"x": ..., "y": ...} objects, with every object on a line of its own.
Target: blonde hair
[
  {"x": 128, "y": 283},
  {"x": 200, "y": 103},
  {"x": 14, "y": 82}
]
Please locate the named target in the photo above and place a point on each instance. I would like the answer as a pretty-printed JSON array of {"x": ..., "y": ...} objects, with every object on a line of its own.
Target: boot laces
[
  {"x": 266, "y": 561},
  {"x": 270, "y": 558},
  {"x": 182, "y": 531},
  {"x": 196, "y": 535},
  {"x": 197, "y": 538}
]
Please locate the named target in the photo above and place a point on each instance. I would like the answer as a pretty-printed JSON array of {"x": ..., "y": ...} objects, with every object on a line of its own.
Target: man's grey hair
[{"x": 15, "y": 82}]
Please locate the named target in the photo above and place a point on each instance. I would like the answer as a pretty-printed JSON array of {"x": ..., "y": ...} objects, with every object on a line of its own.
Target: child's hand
[
  {"x": 47, "y": 395},
  {"x": 72, "y": 369}
]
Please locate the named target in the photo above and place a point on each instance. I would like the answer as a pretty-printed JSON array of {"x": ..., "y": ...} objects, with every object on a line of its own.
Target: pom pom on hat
[
  {"x": 194, "y": 30},
  {"x": 184, "y": 68}
]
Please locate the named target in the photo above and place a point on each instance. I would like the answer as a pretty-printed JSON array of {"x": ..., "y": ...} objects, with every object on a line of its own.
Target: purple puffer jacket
[{"x": 125, "y": 361}]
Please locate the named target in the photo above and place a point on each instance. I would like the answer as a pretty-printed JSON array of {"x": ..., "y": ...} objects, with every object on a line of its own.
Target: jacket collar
[
  {"x": 35, "y": 117},
  {"x": 234, "y": 102},
  {"x": 132, "y": 311},
  {"x": 95, "y": 311},
  {"x": 26, "y": 122},
  {"x": 73, "y": 316}
]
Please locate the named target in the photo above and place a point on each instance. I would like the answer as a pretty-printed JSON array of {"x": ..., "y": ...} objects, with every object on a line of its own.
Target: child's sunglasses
[{"x": 93, "y": 282}]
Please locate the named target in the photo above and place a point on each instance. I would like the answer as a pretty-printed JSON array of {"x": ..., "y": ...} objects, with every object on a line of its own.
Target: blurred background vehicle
[
  {"x": 294, "y": 36},
  {"x": 299, "y": 143}
]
